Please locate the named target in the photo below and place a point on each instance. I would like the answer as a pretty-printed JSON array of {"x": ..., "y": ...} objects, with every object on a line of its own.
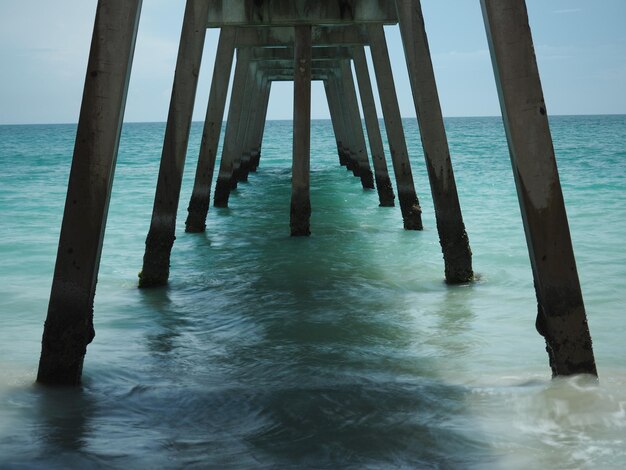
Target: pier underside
[{"x": 302, "y": 41}]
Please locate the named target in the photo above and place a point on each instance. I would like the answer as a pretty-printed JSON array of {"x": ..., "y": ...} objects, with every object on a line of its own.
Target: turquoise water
[{"x": 342, "y": 350}]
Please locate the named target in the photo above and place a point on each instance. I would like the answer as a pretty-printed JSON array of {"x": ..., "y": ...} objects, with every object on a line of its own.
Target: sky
[{"x": 580, "y": 47}]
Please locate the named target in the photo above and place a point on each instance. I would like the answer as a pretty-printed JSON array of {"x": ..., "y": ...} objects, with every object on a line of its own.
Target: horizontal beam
[
  {"x": 286, "y": 69},
  {"x": 289, "y": 78},
  {"x": 298, "y": 12},
  {"x": 282, "y": 36},
  {"x": 285, "y": 72},
  {"x": 286, "y": 54}
]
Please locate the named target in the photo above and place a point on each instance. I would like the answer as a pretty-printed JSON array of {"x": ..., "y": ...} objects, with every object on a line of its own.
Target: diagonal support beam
[
  {"x": 381, "y": 173},
  {"x": 69, "y": 323},
  {"x": 227, "y": 163},
  {"x": 258, "y": 138},
  {"x": 561, "y": 315},
  {"x": 250, "y": 143},
  {"x": 409, "y": 204},
  {"x": 199, "y": 203},
  {"x": 338, "y": 95},
  {"x": 337, "y": 121},
  {"x": 452, "y": 236},
  {"x": 242, "y": 126},
  {"x": 356, "y": 126},
  {"x": 156, "y": 260}
]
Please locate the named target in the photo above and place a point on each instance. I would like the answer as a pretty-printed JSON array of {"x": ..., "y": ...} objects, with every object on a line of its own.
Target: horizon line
[{"x": 312, "y": 119}]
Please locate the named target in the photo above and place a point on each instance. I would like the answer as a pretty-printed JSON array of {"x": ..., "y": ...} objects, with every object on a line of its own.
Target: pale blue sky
[{"x": 580, "y": 46}]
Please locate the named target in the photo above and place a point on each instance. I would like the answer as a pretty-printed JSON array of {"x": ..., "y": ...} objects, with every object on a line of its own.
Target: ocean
[{"x": 343, "y": 350}]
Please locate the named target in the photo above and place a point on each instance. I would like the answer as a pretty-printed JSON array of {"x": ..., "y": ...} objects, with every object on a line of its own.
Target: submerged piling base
[
  {"x": 351, "y": 164},
  {"x": 300, "y": 215},
  {"x": 385, "y": 191},
  {"x": 367, "y": 179},
  {"x": 197, "y": 213},
  {"x": 255, "y": 159},
  {"x": 457, "y": 253},
  {"x": 411, "y": 211},
  {"x": 156, "y": 260},
  {"x": 222, "y": 192},
  {"x": 572, "y": 351},
  {"x": 64, "y": 345}
]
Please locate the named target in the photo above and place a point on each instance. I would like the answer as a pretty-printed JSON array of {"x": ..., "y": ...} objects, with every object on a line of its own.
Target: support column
[
  {"x": 348, "y": 136},
  {"x": 252, "y": 145},
  {"x": 365, "y": 172},
  {"x": 409, "y": 204},
  {"x": 452, "y": 235},
  {"x": 156, "y": 260},
  {"x": 69, "y": 323},
  {"x": 383, "y": 182},
  {"x": 334, "y": 119},
  {"x": 249, "y": 122},
  {"x": 200, "y": 196},
  {"x": 256, "y": 157},
  {"x": 225, "y": 175},
  {"x": 335, "y": 108},
  {"x": 561, "y": 318},
  {"x": 300, "y": 191},
  {"x": 242, "y": 127}
]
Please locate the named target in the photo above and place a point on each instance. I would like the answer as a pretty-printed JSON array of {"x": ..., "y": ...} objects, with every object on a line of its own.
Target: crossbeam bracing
[{"x": 299, "y": 12}]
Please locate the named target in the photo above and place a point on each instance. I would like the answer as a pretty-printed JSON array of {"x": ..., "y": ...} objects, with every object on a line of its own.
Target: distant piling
[{"x": 409, "y": 204}]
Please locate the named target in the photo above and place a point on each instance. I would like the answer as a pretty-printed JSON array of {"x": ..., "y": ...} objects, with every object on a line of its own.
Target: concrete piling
[
  {"x": 356, "y": 127},
  {"x": 335, "y": 122},
  {"x": 243, "y": 125},
  {"x": 260, "y": 129},
  {"x": 248, "y": 142},
  {"x": 381, "y": 174},
  {"x": 156, "y": 260},
  {"x": 561, "y": 317},
  {"x": 200, "y": 196},
  {"x": 69, "y": 323},
  {"x": 348, "y": 141},
  {"x": 335, "y": 107},
  {"x": 300, "y": 192},
  {"x": 409, "y": 204},
  {"x": 452, "y": 235},
  {"x": 223, "y": 185}
]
